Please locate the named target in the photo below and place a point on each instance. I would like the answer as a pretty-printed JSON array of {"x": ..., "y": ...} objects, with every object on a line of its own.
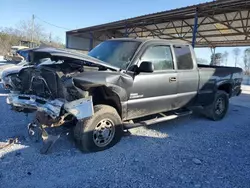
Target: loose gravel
[{"x": 186, "y": 152}]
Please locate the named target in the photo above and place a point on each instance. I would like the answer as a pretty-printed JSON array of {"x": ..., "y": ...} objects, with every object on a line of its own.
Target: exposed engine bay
[
  {"x": 63, "y": 86},
  {"x": 50, "y": 89},
  {"x": 49, "y": 82}
]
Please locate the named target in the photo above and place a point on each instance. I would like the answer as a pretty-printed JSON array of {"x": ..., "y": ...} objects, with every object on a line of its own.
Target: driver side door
[{"x": 156, "y": 91}]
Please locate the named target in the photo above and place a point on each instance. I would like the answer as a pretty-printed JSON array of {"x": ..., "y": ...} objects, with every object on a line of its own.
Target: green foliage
[
  {"x": 216, "y": 59},
  {"x": 202, "y": 61},
  {"x": 246, "y": 60},
  {"x": 11, "y": 36},
  {"x": 7, "y": 40}
]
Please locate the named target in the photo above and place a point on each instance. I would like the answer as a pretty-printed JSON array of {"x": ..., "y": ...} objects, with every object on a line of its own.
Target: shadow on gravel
[
  {"x": 155, "y": 133},
  {"x": 66, "y": 142},
  {"x": 25, "y": 144},
  {"x": 166, "y": 131},
  {"x": 189, "y": 152},
  {"x": 14, "y": 125}
]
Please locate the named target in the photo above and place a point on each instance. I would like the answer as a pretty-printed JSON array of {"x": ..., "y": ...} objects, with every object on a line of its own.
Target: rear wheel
[
  {"x": 218, "y": 109},
  {"x": 99, "y": 132}
]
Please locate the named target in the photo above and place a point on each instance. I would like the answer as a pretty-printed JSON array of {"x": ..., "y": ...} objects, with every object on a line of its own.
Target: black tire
[
  {"x": 212, "y": 111},
  {"x": 85, "y": 133}
]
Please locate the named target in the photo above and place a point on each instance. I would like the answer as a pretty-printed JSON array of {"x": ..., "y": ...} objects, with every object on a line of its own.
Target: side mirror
[{"x": 146, "y": 66}]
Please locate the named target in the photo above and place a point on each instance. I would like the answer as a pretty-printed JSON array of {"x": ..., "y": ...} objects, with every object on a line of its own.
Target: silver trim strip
[{"x": 162, "y": 97}]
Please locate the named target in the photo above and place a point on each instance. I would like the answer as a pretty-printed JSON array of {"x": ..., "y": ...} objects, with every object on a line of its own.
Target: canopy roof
[{"x": 212, "y": 24}]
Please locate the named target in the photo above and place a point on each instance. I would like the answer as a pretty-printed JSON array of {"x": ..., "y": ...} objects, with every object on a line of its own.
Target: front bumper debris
[
  {"x": 81, "y": 108},
  {"x": 52, "y": 108}
]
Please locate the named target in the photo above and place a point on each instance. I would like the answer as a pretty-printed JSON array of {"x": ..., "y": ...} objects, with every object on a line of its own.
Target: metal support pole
[
  {"x": 67, "y": 41},
  {"x": 195, "y": 27},
  {"x": 90, "y": 41},
  {"x": 126, "y": 31},
  {"x": 213, "y": 56}
]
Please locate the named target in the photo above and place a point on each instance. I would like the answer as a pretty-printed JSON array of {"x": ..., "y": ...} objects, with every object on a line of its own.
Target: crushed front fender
[{"x": 81, "y": 108}]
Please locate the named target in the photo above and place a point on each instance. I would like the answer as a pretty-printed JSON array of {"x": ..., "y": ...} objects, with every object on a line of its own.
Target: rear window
[{"x": 183, "y": 57}]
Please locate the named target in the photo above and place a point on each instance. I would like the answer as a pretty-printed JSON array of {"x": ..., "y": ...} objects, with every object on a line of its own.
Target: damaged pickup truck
[{"x": 118, "y": 81}]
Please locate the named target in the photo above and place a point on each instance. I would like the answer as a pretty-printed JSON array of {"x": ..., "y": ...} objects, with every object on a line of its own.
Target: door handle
[{"x": 172, "y": 79}]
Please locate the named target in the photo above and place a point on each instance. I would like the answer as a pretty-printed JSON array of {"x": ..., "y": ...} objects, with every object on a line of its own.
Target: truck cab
[{"x": 167, "y": 78}]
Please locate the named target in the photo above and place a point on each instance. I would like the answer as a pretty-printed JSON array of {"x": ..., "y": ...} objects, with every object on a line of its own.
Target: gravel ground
[{"x": 186, "y": 152}]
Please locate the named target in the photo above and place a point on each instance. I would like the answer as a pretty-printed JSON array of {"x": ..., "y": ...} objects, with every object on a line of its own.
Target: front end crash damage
[
  {"x": 64, "y": 90},
  {"x": 80, "y": 109},
  {"x": 52, "y": 113},
  {"x": 32, "y": 102}
]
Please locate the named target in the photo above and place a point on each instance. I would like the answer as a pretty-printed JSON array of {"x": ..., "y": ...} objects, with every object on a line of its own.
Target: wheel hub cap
[
  {"x": 220, "y": 106},
  {"x": 104, "y": 133}
]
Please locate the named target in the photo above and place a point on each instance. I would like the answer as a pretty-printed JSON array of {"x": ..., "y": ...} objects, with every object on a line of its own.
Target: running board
[
  {"x": 183, "y": 112},
  {"x": 158, "y": 120}
]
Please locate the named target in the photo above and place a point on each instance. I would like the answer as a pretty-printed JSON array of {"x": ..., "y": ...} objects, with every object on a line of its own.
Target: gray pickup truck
[{"x": 118, "y": 81}]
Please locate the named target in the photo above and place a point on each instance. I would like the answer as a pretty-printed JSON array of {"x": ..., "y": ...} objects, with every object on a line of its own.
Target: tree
[
  {"x": 202, "y": 61},
  {"x": 216, "y": 59},
  {"x": 246, "y": 60},
  {"x": 11, "y": 36},
  {"x": 225, "y": 58},
  {"x": 38, "y": 33},
  {"x": 236, "y": 52},
  {"x": 7, "y": 39}
]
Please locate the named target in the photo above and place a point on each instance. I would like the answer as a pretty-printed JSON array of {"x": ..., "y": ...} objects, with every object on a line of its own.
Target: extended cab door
[
  {"x": 154, "y": 92},
  {"x": 187, "y": 75}
]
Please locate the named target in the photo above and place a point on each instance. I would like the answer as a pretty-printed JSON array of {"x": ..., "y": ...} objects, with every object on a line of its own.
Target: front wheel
[
  {"x": 99, "y": 132},
  {"x": 218, "y": 109}
]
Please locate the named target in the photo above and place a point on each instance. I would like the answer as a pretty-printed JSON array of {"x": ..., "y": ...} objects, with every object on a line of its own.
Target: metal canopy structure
[{"x": 214, "y": 24}]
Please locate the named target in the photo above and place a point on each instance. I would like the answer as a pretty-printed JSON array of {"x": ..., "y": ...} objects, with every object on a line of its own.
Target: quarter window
[{"x": 183, "y": 57}]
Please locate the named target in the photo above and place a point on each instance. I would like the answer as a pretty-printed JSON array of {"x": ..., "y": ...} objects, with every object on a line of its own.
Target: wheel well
[
  {"x": 104, "y": 95},
  {"x": 226, "y": 87}
]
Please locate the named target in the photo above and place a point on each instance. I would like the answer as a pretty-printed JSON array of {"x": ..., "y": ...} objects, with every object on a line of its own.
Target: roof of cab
[{"x": 143, "y": 40}]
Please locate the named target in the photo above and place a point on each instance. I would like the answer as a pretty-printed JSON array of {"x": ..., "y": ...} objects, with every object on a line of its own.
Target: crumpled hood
[
  {"x": 61, "y": 54},
  {"x": 10, "y": 70},
  {"x": 4, "y": 67}
]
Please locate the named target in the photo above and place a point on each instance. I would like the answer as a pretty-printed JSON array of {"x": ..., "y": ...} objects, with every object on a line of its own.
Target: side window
[
  {"x": 183, "y": 57},
  {"x": 160, "y": 56}
]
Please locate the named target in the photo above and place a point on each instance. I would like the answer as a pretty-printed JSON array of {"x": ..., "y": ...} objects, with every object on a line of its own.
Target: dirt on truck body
[{"x": 118, "y": 81}]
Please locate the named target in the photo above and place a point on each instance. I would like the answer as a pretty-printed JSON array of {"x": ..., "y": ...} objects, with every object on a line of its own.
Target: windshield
[{"x": 115, "y": 52}]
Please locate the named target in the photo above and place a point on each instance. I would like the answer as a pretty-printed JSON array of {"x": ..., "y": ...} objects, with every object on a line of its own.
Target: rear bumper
[{"x": 81, "y": 108}]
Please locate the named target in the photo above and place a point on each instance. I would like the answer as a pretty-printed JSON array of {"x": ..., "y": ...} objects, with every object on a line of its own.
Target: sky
[{"x": 75, "y": 14}]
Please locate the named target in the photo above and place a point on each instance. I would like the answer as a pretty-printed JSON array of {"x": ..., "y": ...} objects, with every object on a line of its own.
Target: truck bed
[
  {"x": 212, "y": 76},
  {"x": 220, "y": 67}
]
